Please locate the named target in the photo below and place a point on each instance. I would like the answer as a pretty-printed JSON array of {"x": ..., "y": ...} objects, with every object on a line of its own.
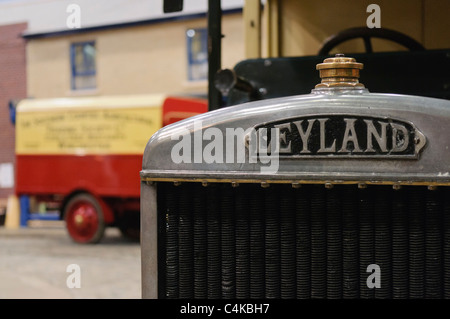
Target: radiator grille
[{"x": 248, "y": 241}]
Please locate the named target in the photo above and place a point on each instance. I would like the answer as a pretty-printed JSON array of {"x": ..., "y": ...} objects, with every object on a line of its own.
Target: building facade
[
  {"x": 12, "y": 88},
  {"x": 163, "y": 56}
]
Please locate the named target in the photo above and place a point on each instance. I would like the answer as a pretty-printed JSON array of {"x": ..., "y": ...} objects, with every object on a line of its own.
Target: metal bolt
[
  {"x": 329, "y": 185},
  {"x": 262, "y": 91},
  {"x": 265, "y": 184}
]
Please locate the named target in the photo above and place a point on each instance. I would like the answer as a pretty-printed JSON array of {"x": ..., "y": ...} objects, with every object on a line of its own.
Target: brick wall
[{"x": 12, "y": 86}]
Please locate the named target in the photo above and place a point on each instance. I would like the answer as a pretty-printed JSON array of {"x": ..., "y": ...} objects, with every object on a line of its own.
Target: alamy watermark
[
  {"x": 74, "y": 279},
  {"x": 374, "y": 279},
  {"x": 374, "y": 19},
  {"x": 73, "y": 20},
  {"x": 234, "y": 146}
]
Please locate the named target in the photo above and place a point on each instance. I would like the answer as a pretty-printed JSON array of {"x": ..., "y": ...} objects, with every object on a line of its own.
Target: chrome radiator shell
[{"x": 429, "y": 169}]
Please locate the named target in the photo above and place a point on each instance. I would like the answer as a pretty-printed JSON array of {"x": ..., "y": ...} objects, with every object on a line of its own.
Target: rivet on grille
[
  {"x": 205, "y": 184},
  {"x": 329, "y": 185},
  {"x": 432, "y": 187},
  {"x": 234, "y": 184},
  {"x": 362, "y": 185},
  {"x": 296, "y": 185},
  {"x": 176, "y": 183},
  {"x": 396, "y": 187},
  {"x": 265, "y": 184}
]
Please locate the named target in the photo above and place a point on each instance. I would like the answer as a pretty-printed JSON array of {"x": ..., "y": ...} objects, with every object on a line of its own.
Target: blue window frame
[
  {"x": 197, "y": 50},
  {"x": 82, "y": 58}
]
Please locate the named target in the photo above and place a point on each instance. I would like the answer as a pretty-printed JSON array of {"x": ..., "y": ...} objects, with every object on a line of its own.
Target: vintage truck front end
[{"x": 340, "y": 193}]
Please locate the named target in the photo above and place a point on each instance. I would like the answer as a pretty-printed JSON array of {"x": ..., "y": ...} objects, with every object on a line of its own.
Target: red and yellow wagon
[{"x": 78, "y": 159}]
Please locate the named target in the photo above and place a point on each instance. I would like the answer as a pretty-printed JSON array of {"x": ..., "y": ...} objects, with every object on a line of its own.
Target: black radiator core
[{"x": 219, "y": 241}]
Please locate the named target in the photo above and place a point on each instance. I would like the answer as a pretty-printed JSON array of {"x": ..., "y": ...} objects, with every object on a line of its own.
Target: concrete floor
[{"x": 34, "y": 261}]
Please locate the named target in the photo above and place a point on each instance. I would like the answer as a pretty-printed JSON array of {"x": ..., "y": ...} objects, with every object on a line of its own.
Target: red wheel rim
[{"x": 82, "y": 221}]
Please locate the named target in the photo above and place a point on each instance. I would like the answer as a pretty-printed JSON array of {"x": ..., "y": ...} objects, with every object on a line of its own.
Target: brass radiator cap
[{"x": 339, "y": 71}]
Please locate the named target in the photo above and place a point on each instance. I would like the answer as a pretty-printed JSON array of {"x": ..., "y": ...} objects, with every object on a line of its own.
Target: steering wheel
[{"x": 366, "y": 34}]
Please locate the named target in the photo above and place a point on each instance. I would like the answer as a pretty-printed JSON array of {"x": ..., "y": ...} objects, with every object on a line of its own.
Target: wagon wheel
[
  {"x": 367, "y": 34},
  {"x": 84, "y": 219}
]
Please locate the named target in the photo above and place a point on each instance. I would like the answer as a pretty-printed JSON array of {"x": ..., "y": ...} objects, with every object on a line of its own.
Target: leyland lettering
[{"x": 346, "y": 136}]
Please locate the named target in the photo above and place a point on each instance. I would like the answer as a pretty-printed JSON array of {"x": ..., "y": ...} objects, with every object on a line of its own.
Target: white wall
[{"x": 50, "y": 15}]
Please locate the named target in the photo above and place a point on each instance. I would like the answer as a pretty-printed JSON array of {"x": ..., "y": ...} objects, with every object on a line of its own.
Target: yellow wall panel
[
  {"x": 305, "y": 25},
  {"x": 437, "y": 24}
]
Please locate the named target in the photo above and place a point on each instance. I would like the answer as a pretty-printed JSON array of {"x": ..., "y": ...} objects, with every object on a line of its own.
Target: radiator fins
[{"x": 259, "y": 242}]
